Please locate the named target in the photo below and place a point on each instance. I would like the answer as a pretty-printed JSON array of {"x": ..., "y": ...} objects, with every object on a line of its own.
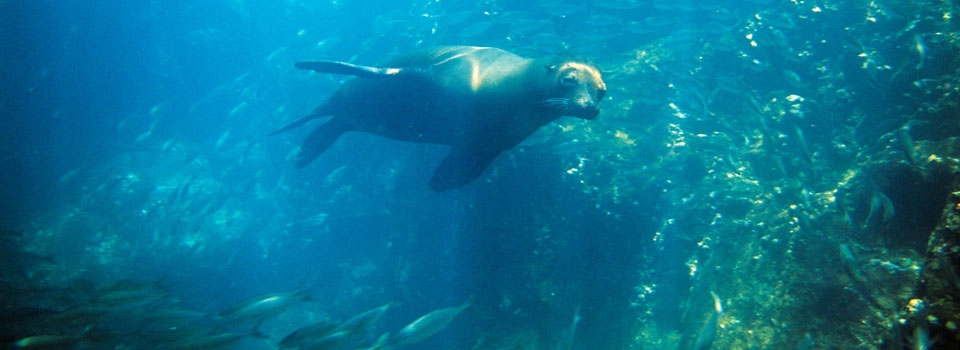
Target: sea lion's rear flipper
[
  {"x": 299, "y": 122},
  {"x": 319, "y": 140},
  {"x": 332, "y": 67},
  {"x": 460, "y": 167}
]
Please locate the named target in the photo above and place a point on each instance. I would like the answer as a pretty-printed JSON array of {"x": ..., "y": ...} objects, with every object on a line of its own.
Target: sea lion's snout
[
  {"x": 587, "y": 108},
  {"x": 581, "y": 87},
  {"x": 583, "y": 108},
  {"x": 592, "y": 111}
]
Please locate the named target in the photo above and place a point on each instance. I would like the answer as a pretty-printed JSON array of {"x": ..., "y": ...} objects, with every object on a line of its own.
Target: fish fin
[
  {"x": 333, "y": 67},
  {"x": 460, "y": 167}
]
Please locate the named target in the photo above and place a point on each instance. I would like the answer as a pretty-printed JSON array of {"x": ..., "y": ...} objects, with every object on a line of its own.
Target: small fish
[
  {"x": 144, "y": 136},
  {"x": 807, "y": 343},
  {"x": 261, "y": 307},
  {"x": 429, "y": 324},
  {"x": 381, "y": 343},
  {"x": 906, "y": 143},
  {"x": 167, "y": 318},
  {"x": 47, "y": 342},
  {"x": 180, "y": 192},
  {"x": 921, "y": 50},
  {"x": 307, "y": 335},
  {"x": 210, "y": 205},
  {"x": 921, "y": 335},
  {"x": 848, "y": 220},
  {"x": 68, "y": 177},
  {"x": 276, "y": 53},
  {"x": 50, "y": 341},
  {"x": 225, "y": 340},
  {"x": 850, "y": 263},
  {"x": 360, "y": 323},
  {"x": 566, "y": 341},
  {"x": 804, "y": 148},
  {"x": 335, "y": 178},
  {"x": 889, "y": 266},
  {"x": 780, "y": 165},
  {"x": 780, "y": 39},
  {"x": 709, "y": 331},
  {"x": 221, "y": 141},
  {"x": 129, "y": 294},
  {"x": 794, "y": 79},
  {"x": 11, "y": 236},
  {"x": 755, "y": 104},
  {"x": 881, "y": 212},
  {"x": 239, "y": 108},
  {"x": 805, "y": 194}
]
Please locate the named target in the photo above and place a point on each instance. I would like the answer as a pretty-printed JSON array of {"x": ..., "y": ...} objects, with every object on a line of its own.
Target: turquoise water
[{"x": 786, "y": 162}]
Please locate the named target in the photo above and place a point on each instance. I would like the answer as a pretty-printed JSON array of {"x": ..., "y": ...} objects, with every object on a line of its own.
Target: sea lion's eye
[{"x": 570, "y": 80}]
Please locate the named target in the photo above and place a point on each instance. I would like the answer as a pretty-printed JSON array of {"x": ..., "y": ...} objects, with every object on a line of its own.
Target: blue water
[{"x": 733, "y": 141}]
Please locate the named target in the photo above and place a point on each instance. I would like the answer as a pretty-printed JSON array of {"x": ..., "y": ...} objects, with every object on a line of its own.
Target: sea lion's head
[{"x": 577, "y": 88}]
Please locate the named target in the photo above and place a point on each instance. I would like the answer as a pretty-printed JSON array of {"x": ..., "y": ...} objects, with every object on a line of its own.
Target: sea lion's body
[{"x": 480, "y": 101}]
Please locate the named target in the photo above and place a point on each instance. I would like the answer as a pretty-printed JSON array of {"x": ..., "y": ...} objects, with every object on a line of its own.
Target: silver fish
[
  {"x": 850, "y": 263},
  {"x": 307, "y": 335},
  {"x": 566, "y": 341},
  {"x": 261, "y": 307},
  {"x": 906, "y": 143},
  {"x": 881, "y": 212},
  {"x": 429, "y": 324},
  {"x": 358, "y": 324},
  {"x": 709, "y": 331}
]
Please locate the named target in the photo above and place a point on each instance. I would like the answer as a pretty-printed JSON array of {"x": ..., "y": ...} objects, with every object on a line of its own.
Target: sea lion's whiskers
[
  {"x": 561, "y": 105},
  {"x": 558, "y": 102}
]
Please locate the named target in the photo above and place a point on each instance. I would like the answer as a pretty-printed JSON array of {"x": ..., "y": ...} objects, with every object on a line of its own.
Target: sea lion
[{"x": 479, "y": 100}]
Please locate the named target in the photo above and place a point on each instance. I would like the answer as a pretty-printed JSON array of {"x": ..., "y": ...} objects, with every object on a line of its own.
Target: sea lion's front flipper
[
  {"x": 460, "y": 167},
  {"x": 332, "y": 67},
  {"x": 319, "y": 140}
]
